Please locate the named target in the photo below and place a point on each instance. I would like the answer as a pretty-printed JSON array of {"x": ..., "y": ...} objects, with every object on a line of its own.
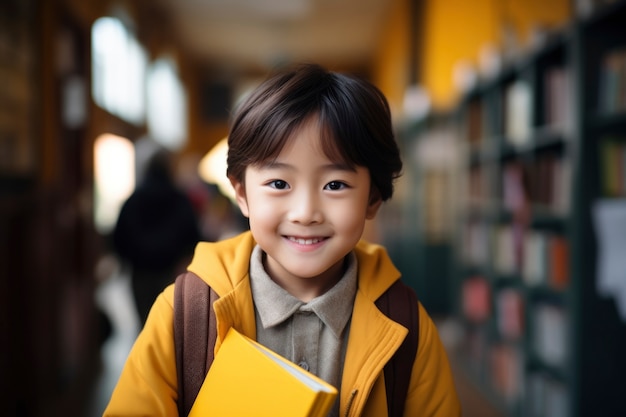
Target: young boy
[{"x": 311, "y": 157}]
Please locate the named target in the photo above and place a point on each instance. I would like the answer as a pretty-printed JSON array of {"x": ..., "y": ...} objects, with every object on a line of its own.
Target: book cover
[
  {"x": 550, "y": 339},
  {"x": 247, "y": 379},
  {"x": 518, "y": 106},
  {"x": 476, "y": 299},
  {"x": 559, "y": 262},
  {"x": 535, "y": 262},
  {"x": 509, "y": 305}
]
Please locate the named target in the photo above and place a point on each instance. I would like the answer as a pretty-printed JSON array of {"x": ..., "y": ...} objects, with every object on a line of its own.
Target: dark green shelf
[
  {"x": 547, "y": 219},
  {"x": 607, "y": 17},
  {"x": 609, "y": 122},
  {"x": 556, "y": 372}
]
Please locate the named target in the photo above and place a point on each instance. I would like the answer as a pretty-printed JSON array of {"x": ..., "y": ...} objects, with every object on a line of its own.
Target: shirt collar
[{"x": 275, "y": 305}]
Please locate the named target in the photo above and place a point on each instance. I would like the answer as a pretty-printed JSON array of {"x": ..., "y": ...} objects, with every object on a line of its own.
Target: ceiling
[{"x": 261, "y": 34}]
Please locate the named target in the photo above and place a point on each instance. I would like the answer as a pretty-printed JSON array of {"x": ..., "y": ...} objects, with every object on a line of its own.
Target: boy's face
[{"x": 306, "y": 212}]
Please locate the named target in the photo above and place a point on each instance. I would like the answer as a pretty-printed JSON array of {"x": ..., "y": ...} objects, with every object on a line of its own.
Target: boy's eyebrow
[{"x": 334, "y": 166}]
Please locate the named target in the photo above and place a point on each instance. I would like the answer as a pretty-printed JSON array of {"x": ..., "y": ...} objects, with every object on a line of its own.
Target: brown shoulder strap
[
  {"x": 399, "y": 303},
  {"x": 195, "y": 332}
]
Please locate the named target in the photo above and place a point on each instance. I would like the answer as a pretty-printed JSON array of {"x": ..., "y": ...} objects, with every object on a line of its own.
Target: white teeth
[{"x": 304, "y": 241}]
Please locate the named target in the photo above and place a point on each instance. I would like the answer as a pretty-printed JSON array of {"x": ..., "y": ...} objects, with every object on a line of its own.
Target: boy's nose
[{"x": 305, "y": 209}]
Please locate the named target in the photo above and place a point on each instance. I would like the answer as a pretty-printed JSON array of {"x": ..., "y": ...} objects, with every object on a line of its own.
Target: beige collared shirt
[{"x": 311, "y": 334}]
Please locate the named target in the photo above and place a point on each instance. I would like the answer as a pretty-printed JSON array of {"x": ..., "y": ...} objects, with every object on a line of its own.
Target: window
[
  {"x": 119, "y": 66},
  {"x": 114, "y": 165},
  {"x": 167, "y": 105}
]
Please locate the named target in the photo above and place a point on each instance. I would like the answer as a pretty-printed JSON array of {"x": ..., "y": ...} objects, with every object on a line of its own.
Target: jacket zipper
[{"x": 350, "y": 401}]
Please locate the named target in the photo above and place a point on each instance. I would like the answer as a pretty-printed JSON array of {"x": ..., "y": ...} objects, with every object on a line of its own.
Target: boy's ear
[
  {"x": 373, "y": 205},
  {"x": 240, "y": 195}
]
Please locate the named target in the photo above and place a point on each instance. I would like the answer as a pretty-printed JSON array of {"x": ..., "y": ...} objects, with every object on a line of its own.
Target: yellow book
[{"x": 247, "y": 379}]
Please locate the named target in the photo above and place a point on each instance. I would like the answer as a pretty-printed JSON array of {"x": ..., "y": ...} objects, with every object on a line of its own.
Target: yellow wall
[
  {"x": 391, "y": 66},
  {"x": 457, "y": 29},
  {"x": 453, "y": 31},
  {"x": 524, "y": 14}
]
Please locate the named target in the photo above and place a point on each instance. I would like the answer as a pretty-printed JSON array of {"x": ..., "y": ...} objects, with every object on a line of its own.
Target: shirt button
[{"x": 304, "y": 365}]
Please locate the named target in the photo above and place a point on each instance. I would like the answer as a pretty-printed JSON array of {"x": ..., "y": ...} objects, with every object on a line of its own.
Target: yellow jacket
[{"x": 148, "y": 386}]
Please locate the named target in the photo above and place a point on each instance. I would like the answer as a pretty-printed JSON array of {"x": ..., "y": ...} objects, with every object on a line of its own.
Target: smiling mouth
[{"x": 305, "y": 241}]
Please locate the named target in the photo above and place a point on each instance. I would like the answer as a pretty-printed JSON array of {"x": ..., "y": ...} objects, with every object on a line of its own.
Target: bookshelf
[
  {"x": 544, "y": 141},
  {"x": 418, "y": 223}
]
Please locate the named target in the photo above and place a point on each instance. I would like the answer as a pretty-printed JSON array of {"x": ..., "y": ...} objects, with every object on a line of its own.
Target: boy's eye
[
  {"x": 278, "y": 184},
  {"x": 335, "y": 186}
]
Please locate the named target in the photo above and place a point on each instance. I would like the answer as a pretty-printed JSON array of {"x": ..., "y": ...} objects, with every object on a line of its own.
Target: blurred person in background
[{"x": 156, "y": 232}]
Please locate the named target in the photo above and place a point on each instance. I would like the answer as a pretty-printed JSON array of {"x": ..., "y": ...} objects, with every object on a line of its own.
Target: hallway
[{"x": 114, "y": 297}]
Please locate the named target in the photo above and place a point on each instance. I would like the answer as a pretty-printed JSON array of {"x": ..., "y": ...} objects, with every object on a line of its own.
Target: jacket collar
[
  {"x": 223, "y": 265},
  {"x": 376, "y": 270}
]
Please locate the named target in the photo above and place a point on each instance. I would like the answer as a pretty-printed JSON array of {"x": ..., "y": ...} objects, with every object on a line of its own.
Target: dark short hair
[{"x": 353, "y": 115}]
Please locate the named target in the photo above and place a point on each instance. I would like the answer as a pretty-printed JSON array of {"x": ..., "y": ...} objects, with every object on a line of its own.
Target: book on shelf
[
  {"x": 546, "y": 183},
  {"x": 507, "y": 243},
  {"x": 534, "y": 265},
  {"x": 612, "y": 91},
  {"x": 546, "y": 260},
  {"x": 534, "y": 404},
  {"x": 476, "y": 186},
  {"x": 543, "y": 181},
  {"x": 514, "y": 193},
  {"x": 518, "y": 113},
  {"x": 247, "y": 379},
  {"x": 550, "y": 333},
  {"x": 612, "y": 159},
  {"x": 562, "y": 178},
  {"x": 550, "y": 178},
  {"x": 510, "y": 313},
  {"x": 476, "y": 299},
  {"x": 557, "y": 111},
  {"x": 504, "y": 258},
  {"x": 609, "y": 223},
  {"x": 506, "y": 363},
  {"x": 476, "y": 248},
  {"x": 557, "y": 400},
  {"x": 475, "y": 123},
  {"x": 559, "y": 262},
  {"x": 546, "y": 397}
]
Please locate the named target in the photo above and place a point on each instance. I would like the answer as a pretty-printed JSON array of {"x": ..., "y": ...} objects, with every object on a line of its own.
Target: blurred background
[{"x": 509, "y": 220}]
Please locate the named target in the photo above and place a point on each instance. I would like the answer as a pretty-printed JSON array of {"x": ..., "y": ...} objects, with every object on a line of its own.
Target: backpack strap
[
  {"x": 399, "y": 303},
  {"x": 195, "y": 341},
  {"x": 193, "y": 338}
]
